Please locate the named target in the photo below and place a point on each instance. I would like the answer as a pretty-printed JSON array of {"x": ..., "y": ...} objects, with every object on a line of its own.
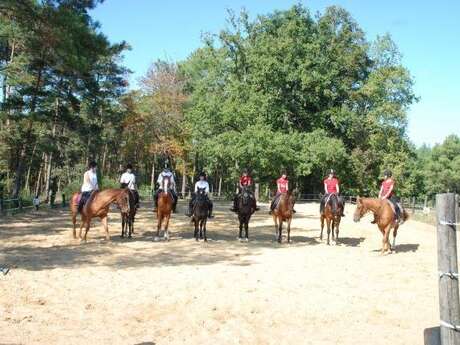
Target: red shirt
[
  {"x": 386, "y": 185},
  {"x": 246, "y": 180},
  {"x": 331, "y": 185},
  {"x": 282, "y": 185}
]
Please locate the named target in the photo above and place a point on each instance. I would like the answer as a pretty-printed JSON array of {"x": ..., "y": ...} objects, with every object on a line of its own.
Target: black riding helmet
[
  {"x": 202, "y": 174},
  {"x": 245, "y": 171},
  {"x": 92, "y": 164},
  {"x": 387, "y": 173},
  {"x": 129, "y": 166},
  {"x": 331, "y": 172}
]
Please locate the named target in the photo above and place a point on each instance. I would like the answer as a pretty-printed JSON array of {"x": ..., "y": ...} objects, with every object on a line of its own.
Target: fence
[{"x": 16, "y": 205}]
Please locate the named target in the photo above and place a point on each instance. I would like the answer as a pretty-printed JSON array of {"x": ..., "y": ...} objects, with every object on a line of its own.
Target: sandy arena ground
[{"x": 222, "y": 292}]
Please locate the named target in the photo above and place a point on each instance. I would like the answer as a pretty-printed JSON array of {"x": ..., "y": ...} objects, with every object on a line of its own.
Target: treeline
[{"x": 286, "y": 90}]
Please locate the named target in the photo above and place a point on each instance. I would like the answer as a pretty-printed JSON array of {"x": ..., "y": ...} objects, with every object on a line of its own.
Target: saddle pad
[{"x": 77, "y": 199}]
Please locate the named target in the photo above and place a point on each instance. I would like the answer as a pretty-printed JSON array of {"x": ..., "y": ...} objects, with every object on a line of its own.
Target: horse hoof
[
  {"x": 166, "y": 238},
  {"x": 156, "y": 239},
  {"x": 246, "y": 239}
]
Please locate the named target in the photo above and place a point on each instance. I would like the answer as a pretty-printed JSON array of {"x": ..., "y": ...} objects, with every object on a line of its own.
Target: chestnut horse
[
  {"x": 165, "y": 204},
  {"x": 332, "y": 217},
  {"x": 98, "y": 206},
  {"x": 283, "y": 213},
  {"x": 385, "y": 216}
]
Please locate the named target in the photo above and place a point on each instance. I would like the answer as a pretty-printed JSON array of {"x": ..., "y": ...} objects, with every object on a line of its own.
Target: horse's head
[
  {"x": 360, "y": 211},
  {"x": 245, "y": 195},
  {"x": 124, "y": 201},
  {"x": 166, "y": 183},
  {"x": 201, "y": 192}
]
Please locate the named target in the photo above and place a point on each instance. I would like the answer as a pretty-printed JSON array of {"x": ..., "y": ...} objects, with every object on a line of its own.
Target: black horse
[
  {"x": 246, "y": 207},
  {"x": 127, "y": 217},
  {"x": 200, "y": 214}
]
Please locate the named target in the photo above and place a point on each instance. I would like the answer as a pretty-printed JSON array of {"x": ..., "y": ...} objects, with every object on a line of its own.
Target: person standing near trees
[
  {"x": 90, "y": 184},
  {"x": 128, "y": 180},
  {"x": 331, "y": 188}
]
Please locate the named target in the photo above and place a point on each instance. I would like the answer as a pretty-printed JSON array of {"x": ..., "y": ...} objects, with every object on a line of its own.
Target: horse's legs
[
  {"x": 385, "y": 242},
  {"x": 241, "y": 229},
  {"x": 289, "y": 230},
  {"x": 322, "y": 227},
  {"x": 204, "y": 230},
  {"x": 82, "y": 223},
  {"x": 74, "y": 222},
  {"x": 328, "y": 224},
  {"x": 395, "y": 232},
  {"x": 106, "y": 227},
  {"x": 195, "y": 233},
  {"x": 275, "y": 220},
  {"x": 337, "y": 224},
  {"x": 122, "y": 226},
  {"x": 246, "y": 228},
  {"x": 157, "y": 237},
  {"x": 87, "y": 224},
  {"x": 280, "y": 230},
  {"x": 166, "y": 235}
]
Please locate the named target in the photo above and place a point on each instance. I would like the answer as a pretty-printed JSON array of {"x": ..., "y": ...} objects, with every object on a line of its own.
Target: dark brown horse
[
  {"x": 164, "y": 209},
  {"x": 200, "y": 214},
  {"x": 246, "y": 207},
  {"x": 332, "y": 214},
  {"x": 98, "y": 206},
  {"x": 283, "y": 213},
  {"x": 385, "y": 216},
  {"x": 127, "y": 218}
]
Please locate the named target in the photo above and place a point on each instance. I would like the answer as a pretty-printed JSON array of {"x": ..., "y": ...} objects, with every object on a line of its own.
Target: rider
[
  {"x": 128, "y": 179},
  {"x": 331, "y": 186},
  {"x": 282, "y": 187},
  {"x": 89, "y": 184},
  {"x": 387, "y": 192},
  {"x": 201, "y": 183},
  {"x": 245, "y": 181},
  {"x": 166, "y": 173}
]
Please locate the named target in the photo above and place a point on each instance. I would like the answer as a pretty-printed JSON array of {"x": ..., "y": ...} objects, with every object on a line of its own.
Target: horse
[
  {"x": 332, "y": 214},
  {"x": 165, "y": 205},
  {"x": 200, "y": 214},
  {"x": 127, "y": 218},
  {"x": 283, "y": 213},
  {"x": 385, "y": 216},
  {"x": 246, "y": 207},
  {"x": 98, "y": 206}
]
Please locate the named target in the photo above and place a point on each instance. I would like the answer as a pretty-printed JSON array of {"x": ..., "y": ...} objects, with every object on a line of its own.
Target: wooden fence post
[
  {"x": 449, "y": 307},
  {"x": 413, "y": 205}
]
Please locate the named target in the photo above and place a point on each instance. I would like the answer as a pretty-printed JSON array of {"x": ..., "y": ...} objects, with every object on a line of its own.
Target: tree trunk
[
  {"x": 27, "y": 182},
  {"x": 37, "y": 182},
  {"x": 184, "y": 182},
  {"x": 152, "y": 176},
  {"x": 219, "y": 192},
  {"x": 104, "y": 157}
]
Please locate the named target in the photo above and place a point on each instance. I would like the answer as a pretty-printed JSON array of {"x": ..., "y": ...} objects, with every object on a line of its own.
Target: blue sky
[{"x": 426, "y": 32}]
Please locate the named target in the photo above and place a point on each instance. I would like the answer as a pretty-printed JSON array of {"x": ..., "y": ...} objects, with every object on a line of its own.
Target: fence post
[
  {"x": 63, "y": 200},
  {"x": 449, "y": 307},
  {"x": 413, "y": 205},
  {"x": 19, "y": 203}
]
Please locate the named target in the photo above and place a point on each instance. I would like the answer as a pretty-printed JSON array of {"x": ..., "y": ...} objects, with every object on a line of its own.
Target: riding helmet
[
  {"x": 202, "y": 174},
  {"x": 129, "y": 166},
  {"x": 92, "y": 164},
  {"x": 331, "y": 172},
  {"x": 387, "y": 173}
]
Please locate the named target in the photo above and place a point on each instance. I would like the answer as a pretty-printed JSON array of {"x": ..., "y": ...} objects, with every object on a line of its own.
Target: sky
[{"x": 427, "y": 33}]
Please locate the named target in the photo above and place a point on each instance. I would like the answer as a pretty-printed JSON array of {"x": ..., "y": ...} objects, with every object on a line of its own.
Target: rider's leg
[
  {"x": 156, "y": 198},
  {"x": 321, "y": 204},
  {"x": 210, "y": 205},
  {"x": 395, "y": 202},
  {"x": 235, "y": 203},
  {"x": 190, "y": 206},
  {"x": 136, "y": 198},
  {"x": 83, "y": 199},
  {"x": 274, "y": 202}
]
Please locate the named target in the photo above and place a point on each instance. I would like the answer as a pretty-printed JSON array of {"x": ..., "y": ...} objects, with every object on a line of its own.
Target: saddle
[{"x": 393, "y": 208}]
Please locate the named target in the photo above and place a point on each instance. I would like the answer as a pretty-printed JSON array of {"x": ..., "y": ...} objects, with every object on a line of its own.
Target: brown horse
[
  {"x": 164, "y": 209},
  {"x": 127, "y": 218},
  {"x": 333, "y": 219},
  {"x": 385, "y": 216},
  {"x": 98, "y": 206},
  {"x": 283, "y": 213}
]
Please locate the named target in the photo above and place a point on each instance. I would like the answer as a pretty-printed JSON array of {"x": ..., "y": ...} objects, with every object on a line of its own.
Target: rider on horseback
[
  {"x": 282, "y": 187},
  {"x": 166, "y": 174},
  {"x": 89, "y": 185},
  {"x": 245, "y": 181},
  {"x": 331, "y": 189},
  {"x": 128, "y": 180},
  {"x": 201, "y": 183},
  {"x": 387, "y": 193}
]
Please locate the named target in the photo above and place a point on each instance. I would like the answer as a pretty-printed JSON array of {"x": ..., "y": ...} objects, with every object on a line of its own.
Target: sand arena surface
[{"x": 222, "y": 292}]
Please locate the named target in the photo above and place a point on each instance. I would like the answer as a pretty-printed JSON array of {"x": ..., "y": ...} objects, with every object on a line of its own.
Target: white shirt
[
  {"x": 36, "y": 201},
  {"x": 89, "y": 181},
  {"x": 202, "y": 184},
  {"x": 164, "y": 174},
  {"x": 129, "y": 179}
]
